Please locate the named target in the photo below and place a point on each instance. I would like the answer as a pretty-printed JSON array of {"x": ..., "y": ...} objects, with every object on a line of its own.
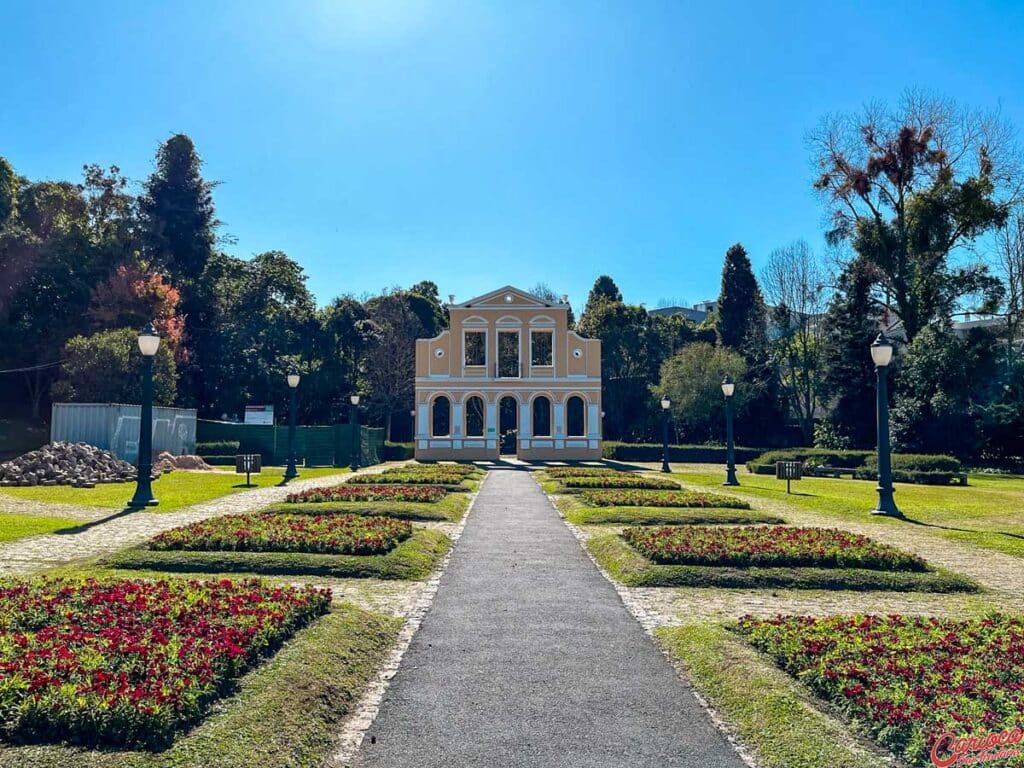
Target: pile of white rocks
[{"x": 77, "y": 464}]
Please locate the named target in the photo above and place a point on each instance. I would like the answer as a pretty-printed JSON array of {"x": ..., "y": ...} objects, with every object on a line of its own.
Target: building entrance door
[{"x": 508, "y": 425}]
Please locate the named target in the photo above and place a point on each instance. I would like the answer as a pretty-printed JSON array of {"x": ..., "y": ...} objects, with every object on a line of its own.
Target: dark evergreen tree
[
  {"x": 850, "y": 325},
  {"x": 604, "y": 289},
  {"x": 741, "y": 318},
  {"x": 177, "y": 206},
  {"x": 180, "y": 233},
  {"x": 741, "y": 324}
]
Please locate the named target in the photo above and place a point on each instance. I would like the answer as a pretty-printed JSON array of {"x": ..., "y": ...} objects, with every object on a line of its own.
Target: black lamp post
[
  {"x": 293, "y": 386},
  {"x": 356, "y": 437},
  {"x": 149, "y": 343},
  {"x": 881, "y": 354},
  {"x": 728, "y": 388},
  {"x": 665, "y": 405}
]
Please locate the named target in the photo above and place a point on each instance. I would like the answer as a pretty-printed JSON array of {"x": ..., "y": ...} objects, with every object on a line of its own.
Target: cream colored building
[{"x": 508, "y": 362}]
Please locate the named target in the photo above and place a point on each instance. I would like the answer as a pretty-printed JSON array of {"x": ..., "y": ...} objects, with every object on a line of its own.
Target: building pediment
[{"x": 505, "y": 298}]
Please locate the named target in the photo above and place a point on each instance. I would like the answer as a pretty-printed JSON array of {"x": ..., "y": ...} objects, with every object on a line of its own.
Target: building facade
[{"x": 508, "y": 376}]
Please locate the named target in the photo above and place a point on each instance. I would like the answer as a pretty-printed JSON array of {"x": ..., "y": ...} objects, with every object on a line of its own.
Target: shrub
[
  {"x": 463, "y": 470},
  {"x": 625, "y": 480},
  {"x": 768, "y": 546},
  {"x": 397, "y": 451},
  {"x": 421, "y": 493},
  {"x": 327, "y": 534},
  {"x": 641, "y": 498},
  {"x": 218, "y": 448},
  {"x": 693, "y": 454},
  {"x": 129, "y": 662},
  {"x": 918, "y": 462},
  {"x": 906, "y": 680},
  {"x": 814, "y": 457}
]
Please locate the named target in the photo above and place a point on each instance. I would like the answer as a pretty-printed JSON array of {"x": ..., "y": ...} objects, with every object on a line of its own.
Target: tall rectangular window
[
  {"x": 475, "y": 343},
  {"x": 508, "y": 354},
  {"x": 541, "y": 352}
]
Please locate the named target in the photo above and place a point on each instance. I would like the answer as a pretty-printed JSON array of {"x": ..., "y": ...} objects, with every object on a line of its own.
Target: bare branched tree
[
  {"x": 390, "y": 363},
  {"x": 796, "y": 284},
  {"x": 1011, "y": 267}
]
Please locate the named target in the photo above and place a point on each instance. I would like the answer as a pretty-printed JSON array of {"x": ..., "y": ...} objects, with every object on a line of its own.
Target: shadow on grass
[{"x": 912, "y": 521}]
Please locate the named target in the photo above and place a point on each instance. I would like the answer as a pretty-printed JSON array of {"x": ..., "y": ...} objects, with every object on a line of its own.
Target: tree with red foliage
[{"x": 134, "y": 296}]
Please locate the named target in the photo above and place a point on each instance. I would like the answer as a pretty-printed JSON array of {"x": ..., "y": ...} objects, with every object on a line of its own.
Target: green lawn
[
  {"x": 18, "y": 526},
  {"x": 176, "y": 490},
  {"x": 986, "y": 513}
]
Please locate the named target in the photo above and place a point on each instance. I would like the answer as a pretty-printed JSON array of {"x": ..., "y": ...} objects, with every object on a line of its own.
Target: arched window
[
  {"x": 542, "y": 417},
  {"x": 575, "y": 421},
  {"x": 442, "y": 417},
  {"x": 475, "y": 416}
]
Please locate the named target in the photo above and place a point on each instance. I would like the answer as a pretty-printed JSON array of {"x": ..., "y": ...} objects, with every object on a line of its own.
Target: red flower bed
[
  {"x": 129, "y": 662},
  {"x": 637, "y": 498},
  {"x": 326, "y": 534},
  {"x": 907, "y": 680},
  {"x": 422, "y": 493},
  {"x": 745, "y": 547},
  {"x": 625, "y": 480}
]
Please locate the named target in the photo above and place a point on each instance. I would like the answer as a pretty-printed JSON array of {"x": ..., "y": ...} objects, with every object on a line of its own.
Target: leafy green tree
[
  {"x": 1002, "y": 424},
  {"x": 331, "y": 374},
  {"x": 692, "y": 379},
  {"x": 848, "y": 385},
  {"x": 941, "y": 386},
  {"x": 263, "y": 320},
  {"x": 908, "y": 187},
  {"x": 8, "y": 190},
  {"x": 107, "y": 368}
]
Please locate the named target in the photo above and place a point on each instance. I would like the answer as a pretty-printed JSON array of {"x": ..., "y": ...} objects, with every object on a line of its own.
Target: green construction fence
[{"x": 315, "y": 446}]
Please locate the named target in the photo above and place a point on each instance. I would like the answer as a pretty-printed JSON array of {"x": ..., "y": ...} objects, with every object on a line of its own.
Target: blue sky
[{"x": 477, "y": 144}]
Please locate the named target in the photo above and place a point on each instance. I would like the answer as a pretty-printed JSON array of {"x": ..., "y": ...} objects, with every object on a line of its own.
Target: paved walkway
[
  {"x": 528, "y": 658},
  {"x": 124, "y": 529}
]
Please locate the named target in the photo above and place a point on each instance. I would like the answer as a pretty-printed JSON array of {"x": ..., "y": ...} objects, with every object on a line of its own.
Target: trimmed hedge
[
  {"x": 691, "y": 454},
  {"x": 451, "y": 508},
  {"x": 218, "y": 448},
  {"x": 219, "y": 461},
  {"x": 765, "y": 463},
  {"x": 629, "y": 567},
  {"x": 414, "y": 558},
  {"x": 916, "y": 468},
  {"x": 398, "y": 452}
]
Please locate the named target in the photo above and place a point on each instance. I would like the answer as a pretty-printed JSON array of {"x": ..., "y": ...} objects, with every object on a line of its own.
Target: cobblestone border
[{"x": 354, "y": 727}]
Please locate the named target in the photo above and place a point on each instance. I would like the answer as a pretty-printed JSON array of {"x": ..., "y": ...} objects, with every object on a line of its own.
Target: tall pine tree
[
  {"x": 849, "y": 382},
  {"x": 741, "y": 324},
  {"x": 180, "y": 233}
]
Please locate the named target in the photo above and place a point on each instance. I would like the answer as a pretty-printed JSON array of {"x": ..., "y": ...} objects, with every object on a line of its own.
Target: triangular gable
[{"x": 501, "y": 296}]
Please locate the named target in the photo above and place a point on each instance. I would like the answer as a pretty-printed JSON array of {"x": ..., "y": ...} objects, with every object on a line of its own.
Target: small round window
[
  {"x": 438, "y": 353},
  {"x": 577, "y": 353}
]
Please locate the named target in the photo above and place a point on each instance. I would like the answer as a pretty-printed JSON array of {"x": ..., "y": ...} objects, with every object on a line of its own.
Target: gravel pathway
[
  {"x": 124, "y": 529},
  {"x": 528, "y": 658}
]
